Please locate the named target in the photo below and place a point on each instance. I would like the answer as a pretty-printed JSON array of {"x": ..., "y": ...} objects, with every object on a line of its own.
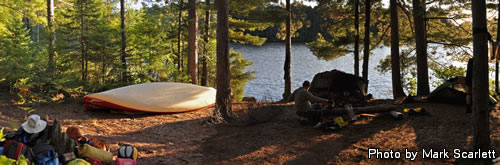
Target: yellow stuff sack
[
  {"x": 78, "y": 161},
  {"x": 23, "y": 161},
  {"x": 92, "y": 152},
  {"x": 7, "y": 161},
  {"x": 340, "y": 121}
]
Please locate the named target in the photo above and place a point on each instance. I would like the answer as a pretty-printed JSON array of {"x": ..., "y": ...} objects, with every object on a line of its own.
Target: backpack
[
  {"x": 127, "y": 151},
  {"x": 45, "y": 154},
  {"x": 94, "y": 161},
  {"x": 14, "y": 149},
  {"x": 122, "y": 161},
  {"x": 66, "y": 157}
]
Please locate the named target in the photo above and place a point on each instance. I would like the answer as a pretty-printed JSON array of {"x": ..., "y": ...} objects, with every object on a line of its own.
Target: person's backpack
[
  {"x": 14, "y": 149},
  {"x": 127, "y": 151},
  {"x": 22, "y": 136},
  {"x": 45, "y": 154}
]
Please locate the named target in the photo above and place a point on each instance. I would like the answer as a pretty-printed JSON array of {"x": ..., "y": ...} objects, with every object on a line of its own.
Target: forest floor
[{"x": 266, "y": 134}]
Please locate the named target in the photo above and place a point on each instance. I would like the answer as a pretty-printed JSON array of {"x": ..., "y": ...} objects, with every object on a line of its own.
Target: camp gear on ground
[
  {"x": 60, "y": 140},
  {"x": 34, "y": 124},
  {"x": 124, "y": 161},
  {"x": 340, "y": 121},
  {"x": 76, "y": 135},
  {"x": 127, "y": 151},
  {"x": 23, "y": 161},
  {"x": 66, "y": 157},
  {"x": 89, "y": 151},
  {"x": 78, "y": 161},
  {"x": 14, "y": 149},
  {"x": 330, "y": 127},
  {"x": 6, "y": 161},
  {"x": 29, "y": 139},
  {"x": 1, "y": 149},
  {"x": 350, "y": 112},
  {"x": 396, "y": 115},
  {"x": 94, "y": 161},
  {"x": 98, "y": 143},
  {"x": 161, "y": 97},
  {"x": 45, "y": 154},
  {"x": 416, "y": 111}
]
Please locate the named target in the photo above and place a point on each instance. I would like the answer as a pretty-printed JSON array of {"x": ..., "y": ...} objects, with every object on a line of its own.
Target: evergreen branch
[
  {"x": 402, "y": 5},
  {"x": 427, "y": 18},
  {"x": 7, "y": 6},
  {"x": 454, "y": 45}
]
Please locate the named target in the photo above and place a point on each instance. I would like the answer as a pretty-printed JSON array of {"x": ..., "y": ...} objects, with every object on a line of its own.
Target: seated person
[
  {"x": 303, "y": 99},
  {"x": 31, "y": 131}
]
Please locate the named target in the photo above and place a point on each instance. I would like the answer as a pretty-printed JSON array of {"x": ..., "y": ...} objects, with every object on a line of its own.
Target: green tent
[{"x": 451, "y": 92}]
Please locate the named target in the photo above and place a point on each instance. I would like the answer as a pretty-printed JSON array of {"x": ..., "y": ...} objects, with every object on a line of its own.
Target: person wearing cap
[
  {"x": 303, "y": 99},
  {"x": 29, "y": 131}
]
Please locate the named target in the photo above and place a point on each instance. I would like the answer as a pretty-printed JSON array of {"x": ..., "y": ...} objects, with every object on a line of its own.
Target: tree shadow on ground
[
  {"x": 451, "y": 128},
  {"x": 285, "y": 138}
]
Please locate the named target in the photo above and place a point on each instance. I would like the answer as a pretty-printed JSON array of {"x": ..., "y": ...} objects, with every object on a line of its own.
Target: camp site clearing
[{"x": 266, "y": 134}]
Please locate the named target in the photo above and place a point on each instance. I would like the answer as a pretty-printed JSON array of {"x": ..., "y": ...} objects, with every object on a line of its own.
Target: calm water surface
[{"x": 269, "y": 60}]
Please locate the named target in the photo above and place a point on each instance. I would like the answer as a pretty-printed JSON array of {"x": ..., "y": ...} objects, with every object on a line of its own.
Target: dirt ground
[{"x": 266, "y": 134}]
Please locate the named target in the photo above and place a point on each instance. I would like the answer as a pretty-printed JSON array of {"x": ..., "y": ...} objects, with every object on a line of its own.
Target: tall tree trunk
[
  {"x": 288, "y": 53},
  {"x": 207, "y": 30},
  {"x": 366, "y": 55},
  {"x": 82, "y": 43},
  {"x": 498, "y": 41},
  {"x": 480, "y": 110},
  {"x": 356, "y": 38},
  {"x": 421, "y": 47},
  {"x": 52, "y": 36},
  {"x": 193, "y": 42},
  {"x": 124, "y": 41},
  {"x": 179, "y": 33},
  {"x": 223, "y": 100},
  {"x": 397, "y": 89}
]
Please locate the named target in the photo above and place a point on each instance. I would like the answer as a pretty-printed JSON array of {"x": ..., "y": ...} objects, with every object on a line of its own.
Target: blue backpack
[{"x": 45, "y": 154}]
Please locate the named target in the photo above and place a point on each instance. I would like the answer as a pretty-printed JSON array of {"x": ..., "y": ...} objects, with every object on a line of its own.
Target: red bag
[
  {"x": 14, "y": 149},
  {"x": 94, "y": 161},
  {"x": 123, "y": 161}
]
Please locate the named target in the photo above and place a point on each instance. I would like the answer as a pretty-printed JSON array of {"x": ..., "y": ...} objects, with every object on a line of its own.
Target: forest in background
[{"x": 79, "y": 49}]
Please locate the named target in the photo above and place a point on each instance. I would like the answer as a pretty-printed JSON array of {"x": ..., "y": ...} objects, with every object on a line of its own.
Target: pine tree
[
  {"x": 16, "y": 55},
  {"x": 480, "y": 94},
  {"x": 421, "y": 47},
  {"x": 397, "y": 89},
  {"x": 193, "y": 42},
  {"x": 288, "y": 53},
  {"x": 223, "y": 101}
]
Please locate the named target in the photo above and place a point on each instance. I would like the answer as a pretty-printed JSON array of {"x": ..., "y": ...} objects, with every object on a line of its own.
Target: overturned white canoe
[{"x": 162, "y": 97}]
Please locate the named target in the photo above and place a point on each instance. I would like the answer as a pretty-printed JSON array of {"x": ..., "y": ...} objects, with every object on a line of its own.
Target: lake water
[{"x": 269, "y": 60}]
